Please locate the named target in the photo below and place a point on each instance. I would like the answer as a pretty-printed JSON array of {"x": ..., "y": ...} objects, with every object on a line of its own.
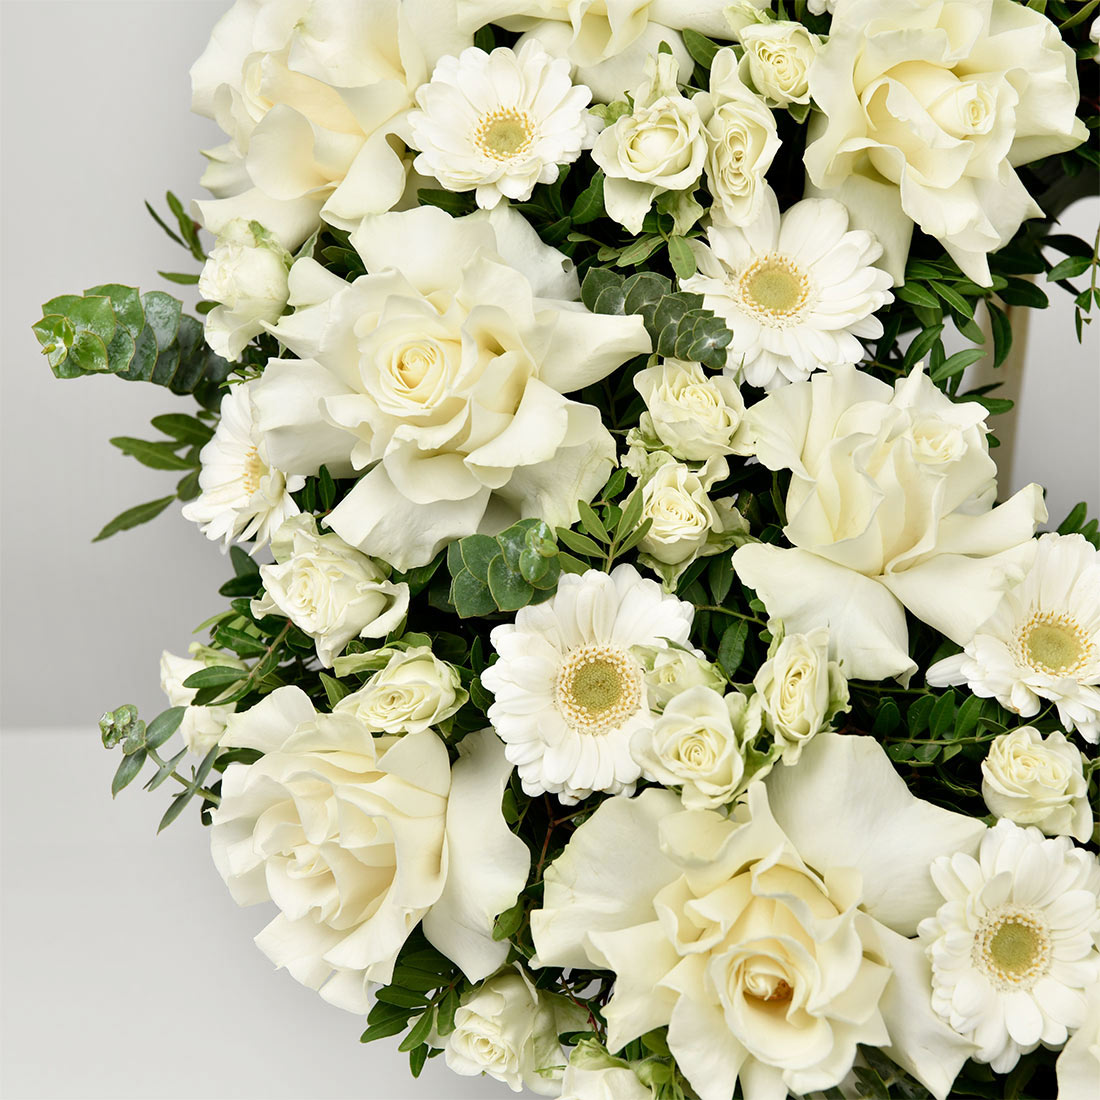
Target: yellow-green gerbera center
[
  {"x": 1012, "y": 948},
  {"x": 598, "y": 688},
  {"x": 504, "y": 133},
  {"x": 774, "y": 289},
  {"x": 1055, "y": 644}
]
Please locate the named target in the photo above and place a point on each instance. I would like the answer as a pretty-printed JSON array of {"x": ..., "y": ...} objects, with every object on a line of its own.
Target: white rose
[
  {"x": 313, "y": 96},
  {"x": 202, "y": 727},
  {"x": 1033, "y": 780},
  {"x": 454, "y": 316},
  {"x": 926, "y": 112},
  {"x": 371, "y": 834},
  {"x": 773, "y": 942},
  {"x": 246, "y": 274},
  {"x": 509, "y": 1030},
  {"x": 412, "y": 692},
  {"x": 697, "y": 744},
  {"x": 741, "y": 142},
  {"x": 801, "y": 691},
  {"x": 593, "y": 1074},
  {"x": 685, "y": 523},
  {"x": 890, "y": 506},
  {"x": 694, "y": 416},
  {"x": 777, "y": 61},
  {"x": 660, "y": 146},
  {"x": 327, "y": 589},
  {"x": 669, "y": 671}
]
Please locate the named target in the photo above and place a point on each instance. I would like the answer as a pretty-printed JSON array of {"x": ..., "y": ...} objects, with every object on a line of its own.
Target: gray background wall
[{"x": 119, "y": 946}]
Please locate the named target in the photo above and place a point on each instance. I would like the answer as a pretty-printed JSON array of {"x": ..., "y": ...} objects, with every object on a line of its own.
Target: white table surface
[{"x": 130, "y": 974}]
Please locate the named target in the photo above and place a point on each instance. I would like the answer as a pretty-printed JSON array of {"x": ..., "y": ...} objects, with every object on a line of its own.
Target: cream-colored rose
[
  {"x": 801, "y": 691},
  {"x": 697, "y": 744},
  {"x": 202, "y": 727},
  {"x": 509, "y": 1030},
  {"x": 670, "y": 671},
  {"x": 413, "y": 691},
  {"x": 441, "y": 374},
  {"x": 246, "y": 274},
  {"x": 926, "y": 112},
  {"x": 693, "y": 415},
  {"x": 1033, "y": 780},
  {"x": 660, "y": 146},
  {"x": 890, "y": 507},
  {"x": 314, "y": 96},
  {"x": 772, "y": 942},
  {"x": 777, "y": 61},
  {"x": 328, "y": 589},
  {"x": 358, "y": 838},
  {"x": 741, "y": 142}
]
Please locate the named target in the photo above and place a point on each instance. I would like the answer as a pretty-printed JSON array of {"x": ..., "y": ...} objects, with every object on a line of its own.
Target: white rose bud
[
  {"x": 742, "y": 141},
  {"x": 697, "y": 744},
  {"x": 669, "y": 671},
  {"x": 801, "y": 690},
  {"x": 509, "y": 1030},
  {"x": 1035, "y": 781},
  {"x": 328, "y": 589},
  {"x": 247, "y": 275},
  {"x": 202, "y": 727},
  {"x": 692, "y": 415},
  {"x": 593, "y": 1074},
  {"x": 777, "y": 61},
  {"x": 658, "y": 147},
  {"x": 686, "y": 523},
  {"x": 412, "y": 692}
]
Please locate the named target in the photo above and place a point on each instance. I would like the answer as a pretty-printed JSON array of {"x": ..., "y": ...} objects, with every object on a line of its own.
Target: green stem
[
  {"x": 730, "y": 611},
  {"x": 209, "y": 795}
]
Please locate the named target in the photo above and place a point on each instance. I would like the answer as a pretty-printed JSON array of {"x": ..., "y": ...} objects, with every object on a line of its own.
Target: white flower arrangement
[{"x": 620, "y": 688}]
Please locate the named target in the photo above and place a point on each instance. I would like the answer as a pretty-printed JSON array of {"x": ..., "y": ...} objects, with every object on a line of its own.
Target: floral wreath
[{"x": 631, "y": 684}]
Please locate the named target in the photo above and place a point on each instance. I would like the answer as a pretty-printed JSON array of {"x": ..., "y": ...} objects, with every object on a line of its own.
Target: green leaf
[
  {"x": 335, "y": 690},
  {"x": 241, "y": 642},
  {"x": 128, "y": 770},
  {"x": 418, "y": 1056},
  {"x": 244, "y": 565},
  {"x": 942, "y": 719},
  {"x": 920, "y": 346},
  {"x": 163, "y": 726},
  {"x": 175, "y": 808},
  {"x": 509, "y": 590},
  {"x": 508, "y": 923},
  {"x": 180, "y": 277},
  {"x": 403, "y": 998},
  {"x": 720, "y": 577},
  {"x": 681, "y": 257},
  {"x": 966, "y": 720},
  {"x": 455, "y": 204},
  {"x": 953, "y": 298},
  {"x": 419, "y": 1032},
  {"x": 701, "y": 48},
  {"x": 215, "y": 677},
  {"x": 589, "y": 205},
  {"x": 187, "y": 429},
  {"x": 159, "y": 456},
  {"x": 578, "y": 543},
  {"x": 470, "y": 596},
  {"x": 591, "y": 522},
  {"x": 384, "y": 1030},
  {"x": 731, "y": 650},
  {"x": 477, "y": 552},
  {"x": 917, "y": 295},
  {"x": 638, "y": 251},
  {"x": 956, "y": 364},
  {"x": 133, "y": 517},
  {"x": 1002, "y": 334},
  {"x": 1075, "y": 520},
  {"x": 1069, "y": 268},
  {"x": 164, "y": 772}
]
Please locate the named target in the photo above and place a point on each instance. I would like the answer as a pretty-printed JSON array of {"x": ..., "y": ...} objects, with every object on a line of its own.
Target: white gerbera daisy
[
  {"x": 1014, "y": 946},
  {"x": 795, "y": 290},
  {"x": 498, "y": 123},
  {"x": 243, "y": 497},
  {"x": 1042, "y": 642},
  {"x": 570, "y": 694}
]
